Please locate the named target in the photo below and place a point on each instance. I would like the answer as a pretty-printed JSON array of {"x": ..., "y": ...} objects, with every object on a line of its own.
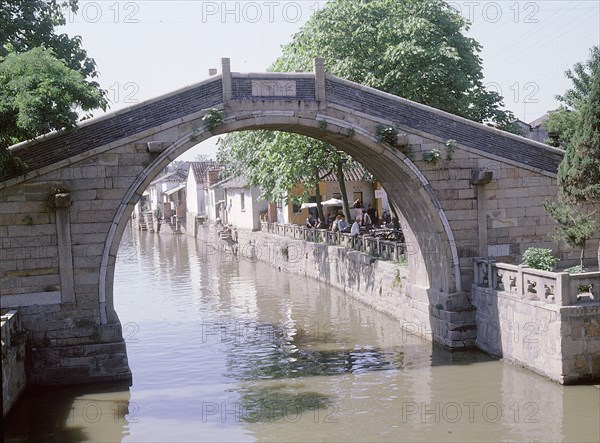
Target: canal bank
[
  {"x": 555, "y": 333},
  {"x": 387, "y": 286}
]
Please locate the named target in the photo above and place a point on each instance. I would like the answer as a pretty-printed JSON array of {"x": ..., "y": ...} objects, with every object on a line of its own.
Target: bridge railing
[
  {"x": 377, "y": 247},
  {"x": 559, "y": 288}
]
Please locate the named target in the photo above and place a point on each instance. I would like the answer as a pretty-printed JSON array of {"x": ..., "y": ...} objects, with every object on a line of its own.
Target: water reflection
[
  {"x": 72, "y": 414},
  {"x": 225, "y": 349}
]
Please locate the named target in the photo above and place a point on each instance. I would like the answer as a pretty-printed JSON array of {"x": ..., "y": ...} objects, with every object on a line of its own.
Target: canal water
[{"x": 227, "y": 349}]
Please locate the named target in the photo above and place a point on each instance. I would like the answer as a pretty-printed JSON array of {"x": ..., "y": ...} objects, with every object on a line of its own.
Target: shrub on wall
[{"x": 539, "y": 258}]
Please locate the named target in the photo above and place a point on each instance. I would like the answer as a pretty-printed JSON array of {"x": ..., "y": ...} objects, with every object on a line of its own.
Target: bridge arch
[
  {"x": 60, "y": 267},
  {"x": 433, "y": 256}
]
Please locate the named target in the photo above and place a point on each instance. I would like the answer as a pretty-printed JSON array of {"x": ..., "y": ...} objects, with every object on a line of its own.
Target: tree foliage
[
  {"x": 561, "y": 126},
  {"x": 579, "y": 171},
  {"x": 45, "y": 77},
  {"x": 415, "y": 49},
  {"x": 563, "y": 121},
  {"x": 411, "y": 48},
  {"x": 277, "y": 162},
  {"x": 39, "y": 93},
  {"x": 575, "y": 227},
  {"x": 28, "y": 24}
]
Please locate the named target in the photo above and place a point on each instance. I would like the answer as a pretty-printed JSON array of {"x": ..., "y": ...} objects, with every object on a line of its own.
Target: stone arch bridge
[{"x": 482, "y": 198}]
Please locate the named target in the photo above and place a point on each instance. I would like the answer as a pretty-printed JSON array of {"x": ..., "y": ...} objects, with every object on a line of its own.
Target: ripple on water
[{"x": 224, "y": 349}]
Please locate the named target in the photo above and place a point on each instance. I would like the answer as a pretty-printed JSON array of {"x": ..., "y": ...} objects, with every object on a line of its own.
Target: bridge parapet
[
  {"x": 548, "y": 322},
  {"x": 558, "y": 288}
]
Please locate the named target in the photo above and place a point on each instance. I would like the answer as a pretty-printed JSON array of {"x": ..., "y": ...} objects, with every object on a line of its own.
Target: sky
[{"x": 144, "y": 49}]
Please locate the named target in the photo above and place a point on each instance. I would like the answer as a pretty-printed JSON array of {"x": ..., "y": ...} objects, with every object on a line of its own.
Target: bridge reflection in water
[{"x": 225, "y": 349}]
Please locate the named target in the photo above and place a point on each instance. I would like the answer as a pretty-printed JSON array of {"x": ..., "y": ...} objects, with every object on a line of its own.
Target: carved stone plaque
[{"x": 274, "y": 88}]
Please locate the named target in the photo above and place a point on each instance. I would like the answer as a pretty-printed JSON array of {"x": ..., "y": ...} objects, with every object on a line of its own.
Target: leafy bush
[
  {"x": 387, "y": 134},
  {"x": 212, "y": 118},
  {"x": 431, "y": 156},
  {"x": 539, "y": 258},
  {"x": 575, "y": 270}
]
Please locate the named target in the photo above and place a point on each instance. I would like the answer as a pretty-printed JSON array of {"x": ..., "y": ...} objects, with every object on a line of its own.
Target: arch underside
[{"x": 431, "y": 249}]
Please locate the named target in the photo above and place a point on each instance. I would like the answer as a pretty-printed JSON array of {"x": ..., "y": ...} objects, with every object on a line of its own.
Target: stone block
[
  {"x": 89, "y": 228},
  {"x": 504, "y": 223},
  {"x": 108, "y": 159},
  {"x": 31, "y": 230},
  {"x": 508, "y": 203},
  {"x": 580, "y": 364},
  {"x": 591, "y": 327},
  {"x": 596, "y": 365},
  {"x": 515, "y": 212},
  {"x": 85, "y": 184},
  {"x": 532, "y": 211},
  {"x": 95, "y": 216},
  {"x": 521, "y": 231},
  {"x": 77, "y": 361}
]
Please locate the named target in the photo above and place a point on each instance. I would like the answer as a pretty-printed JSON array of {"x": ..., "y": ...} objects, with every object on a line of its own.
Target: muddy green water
[{"x": 226, "y": 349}]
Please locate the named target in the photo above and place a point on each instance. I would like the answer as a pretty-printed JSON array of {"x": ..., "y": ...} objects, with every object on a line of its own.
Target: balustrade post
[
  {"x": 491, "y": 276},
  {"x": 476, "y": 274},
  {"x": 519, "y": 281},
  {"x": 561, "y": 290}
]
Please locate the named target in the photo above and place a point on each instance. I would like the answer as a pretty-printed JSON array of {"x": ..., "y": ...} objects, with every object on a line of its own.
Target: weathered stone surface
[{"x": 559, "y": 342}]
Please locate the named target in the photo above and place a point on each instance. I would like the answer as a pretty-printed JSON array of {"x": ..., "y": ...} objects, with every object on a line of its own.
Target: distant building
[
  {"x": 358, "y": 188},
  {"x": 162, "y": 194},
  {"x": 535, "y": 129},
  {"x": 239, "y": 206},
  {"x": 197, "y": 195}
]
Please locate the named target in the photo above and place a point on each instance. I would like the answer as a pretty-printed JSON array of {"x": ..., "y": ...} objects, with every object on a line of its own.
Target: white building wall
[
  {"x": 191, "y": 195},
  {"x": 213, "y": 197},
  {"x": 249, "y": 216},
  {"x": 195, "y": 196}
]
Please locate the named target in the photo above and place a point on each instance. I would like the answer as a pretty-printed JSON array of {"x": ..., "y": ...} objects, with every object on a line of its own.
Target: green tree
[
  {"x": 562, "y": 122},
  {"x": 277, "y": 161},
  {"x": 415, "y": 49},
  {"x": 575, "y": 227},
  {"x": 45, "y": 77},
  {"x": 579, "y": 171},
  {"x": 561, "y": 126},
  {"x": 411, "y": 48}
]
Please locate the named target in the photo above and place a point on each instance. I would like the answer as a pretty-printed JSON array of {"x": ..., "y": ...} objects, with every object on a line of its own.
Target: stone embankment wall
[
  {"x": 560, "y": 342},
  {"x": 13, "y": 360},
  {"x": 383, "y": 285}
]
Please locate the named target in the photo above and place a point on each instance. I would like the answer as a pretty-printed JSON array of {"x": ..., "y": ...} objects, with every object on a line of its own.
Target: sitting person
[
  {"x": 366, "y": 219},
  {"x": 330, "y": 219},
  {"x": 373, "y": 214},
  {"x": 335, "y": 225},
  {"x": 310, "y": 221},
  {"x": 355, "y": 230},
  {"x": 342, "y": 224}
]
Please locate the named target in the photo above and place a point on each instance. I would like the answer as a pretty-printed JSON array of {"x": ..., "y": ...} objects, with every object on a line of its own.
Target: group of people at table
[{"x": 338, "y": 223}]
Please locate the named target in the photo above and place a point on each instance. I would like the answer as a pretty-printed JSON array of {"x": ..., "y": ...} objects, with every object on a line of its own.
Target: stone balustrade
[
  {"x": 559, "y": 288},
  {"x": 377, "y": 247}
]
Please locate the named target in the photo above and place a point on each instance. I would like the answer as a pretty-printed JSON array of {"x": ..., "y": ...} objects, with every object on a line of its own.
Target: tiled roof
[
  {"x": 199, "y": 169},
  {"x": 231, "y": 182},
  {"x": 354, "y": 174},
  {"x": 174, "y": 176}
]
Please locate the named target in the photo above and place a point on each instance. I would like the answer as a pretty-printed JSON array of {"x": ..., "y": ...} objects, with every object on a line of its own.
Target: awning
[
  {"x": 332, "y": 202},
  {"x": 174, "y": 190},
  {"x": 308, "y": 205}
]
